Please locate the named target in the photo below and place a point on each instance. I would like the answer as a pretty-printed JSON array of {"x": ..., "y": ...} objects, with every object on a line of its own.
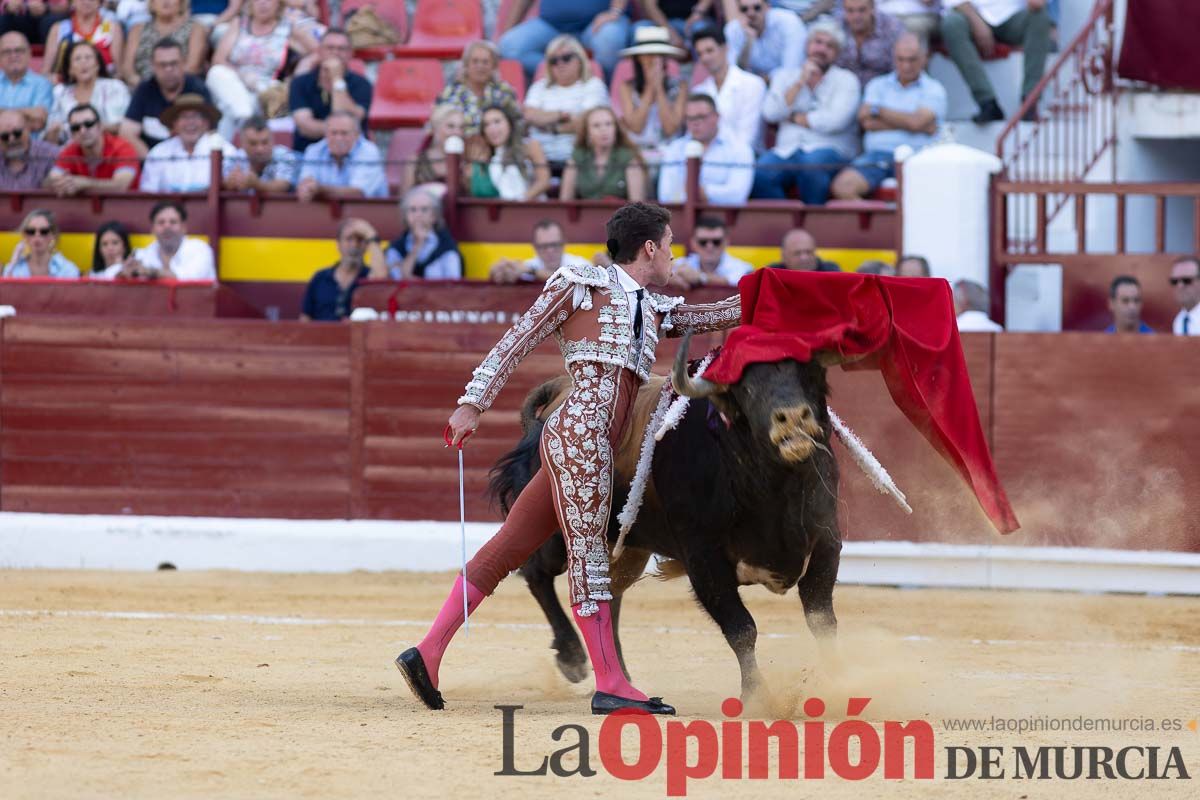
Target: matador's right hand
[{"x": 463, "y": 423}]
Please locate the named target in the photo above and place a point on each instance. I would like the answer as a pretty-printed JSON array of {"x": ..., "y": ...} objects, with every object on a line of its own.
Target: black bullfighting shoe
[
  {"x": 412, "y": 667},
  {"x": 605, "y": 703}
]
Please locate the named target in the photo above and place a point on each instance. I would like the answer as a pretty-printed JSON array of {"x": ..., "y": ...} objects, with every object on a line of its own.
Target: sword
[{"x": 447, "y": 436}]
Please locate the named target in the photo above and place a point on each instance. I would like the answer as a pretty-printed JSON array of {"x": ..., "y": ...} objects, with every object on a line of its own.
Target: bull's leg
[
  {"x": 624, "y": 572},
  {"x": 540, "y": 570},
  {"x": 816, "y": 596},
  {"x": 714, "y": 580}
]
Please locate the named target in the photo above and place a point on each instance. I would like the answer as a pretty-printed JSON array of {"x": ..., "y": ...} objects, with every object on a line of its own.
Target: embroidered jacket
[{"x": 587, "y": 310}]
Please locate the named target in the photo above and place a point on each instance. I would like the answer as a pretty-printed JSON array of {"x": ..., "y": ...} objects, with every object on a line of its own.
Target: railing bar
[
  {"x": 1120, "y": 199},
  {"x": 1160, "y": 223},
  {"x": 1080, "y": 223}
]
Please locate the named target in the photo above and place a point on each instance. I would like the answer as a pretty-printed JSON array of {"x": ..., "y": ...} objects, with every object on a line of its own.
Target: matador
[{"x": 607, "y": 326}]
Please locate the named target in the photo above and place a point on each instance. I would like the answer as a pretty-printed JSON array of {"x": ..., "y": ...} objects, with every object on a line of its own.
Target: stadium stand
[{"x": 404, "y": 92}]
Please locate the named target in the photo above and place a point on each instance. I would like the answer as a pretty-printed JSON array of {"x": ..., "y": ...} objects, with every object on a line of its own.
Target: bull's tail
[{"x": 515, "y": 469}]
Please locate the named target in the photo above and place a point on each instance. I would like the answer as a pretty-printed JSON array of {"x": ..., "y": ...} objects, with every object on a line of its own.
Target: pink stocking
[
  {"x": 598, "y": 636},
  {"x": 447, "y": 623}
]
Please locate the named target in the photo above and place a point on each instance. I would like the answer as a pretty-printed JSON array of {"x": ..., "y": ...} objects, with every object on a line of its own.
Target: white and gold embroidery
[{"x": 704, "y": 317}]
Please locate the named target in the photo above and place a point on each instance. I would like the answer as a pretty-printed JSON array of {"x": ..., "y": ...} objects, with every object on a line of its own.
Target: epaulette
[
  {"x": 581, "y": 274},
  {"x": 663, "y": 303}
]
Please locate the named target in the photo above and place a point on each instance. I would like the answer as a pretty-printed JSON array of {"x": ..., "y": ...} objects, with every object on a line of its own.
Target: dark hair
[
  {"x": 83, "y": 107},
  {"x": 710, "y": 221},
  {"x": 546, "y": 224},
  {"x": 166, "y": 43},
  {"x": 632, "y": 226},
  {"x": 162, "y": 205},
  {"x": 922, "y": 260},
  {"x": 1122, "y": 280},
  {"x": 256, "y": 123},
  {"x": 113, "y": 226},
  {"x": 338, "y": 31},
  {"x": 714, "y": 33},
  {"x": 639, "y": 77},
  {"x": 64, "y": 69},
  {"x": 515, "y": 146},
  {"x": 700, "y": 97}
]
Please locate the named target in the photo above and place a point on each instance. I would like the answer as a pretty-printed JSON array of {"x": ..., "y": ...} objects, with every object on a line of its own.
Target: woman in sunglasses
[
  {"x": 36, "y": 255},
  {"x": 82, "y": 82},
  {"x": 556, "y": 103}
]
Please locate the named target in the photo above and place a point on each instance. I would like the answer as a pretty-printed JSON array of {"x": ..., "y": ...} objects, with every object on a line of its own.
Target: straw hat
[
  {"x": 189, "y": 102},
  {"x": 654, "y": 41}
]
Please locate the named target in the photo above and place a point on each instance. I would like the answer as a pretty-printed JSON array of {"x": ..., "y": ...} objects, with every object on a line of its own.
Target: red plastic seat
[
  {"x": 404, "y": 92},
  {"x": 505, "y": 9},
  {"x": 442, "y": 28},
  {"x": 513, "y": 73},
  {"x": 394, "y": 11},
  {"x": 404, "y": 146}
]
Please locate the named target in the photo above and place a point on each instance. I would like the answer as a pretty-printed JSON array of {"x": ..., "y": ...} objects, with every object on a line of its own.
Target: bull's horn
[
  {"x": 684, "y": 384},
  {"x": 832, "y": 358}
]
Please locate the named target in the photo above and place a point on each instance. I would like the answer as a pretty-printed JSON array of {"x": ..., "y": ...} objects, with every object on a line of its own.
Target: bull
[{"x": 743, "y": 491}]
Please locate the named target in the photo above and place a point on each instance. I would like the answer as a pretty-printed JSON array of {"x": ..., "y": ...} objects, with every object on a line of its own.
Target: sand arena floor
[{"x": 234, "y": 685}]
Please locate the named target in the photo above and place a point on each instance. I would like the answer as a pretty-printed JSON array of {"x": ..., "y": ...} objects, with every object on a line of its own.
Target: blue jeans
[
  {"x": 875, "y": 166},
  {"x": 527, "y": 43},
  {"x": 810, "y": 172}
]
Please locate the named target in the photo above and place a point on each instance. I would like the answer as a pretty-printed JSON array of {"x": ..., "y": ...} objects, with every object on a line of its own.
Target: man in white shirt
[
  {"x": 970, "y": 30},
  {"x": 709, "y": 262},
  {"x": 549, "y": 247},
  {"x": 738, "y": 94},
  {"x": 726, "y": 167},
  {"x": 765, "y": 39},
  {"x": 182, "y": 163},
  {"x": 971, "y": 306},
  {"x": 1185, "y": 280},
  {"x": 815, "y": 107},
  {"x": 172, "y": 255}
]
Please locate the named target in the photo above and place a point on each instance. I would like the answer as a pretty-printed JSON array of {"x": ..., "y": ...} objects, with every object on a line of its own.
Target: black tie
[
  {"x": 637, "y": 316},
  {"x": 1186, "y": 319}
]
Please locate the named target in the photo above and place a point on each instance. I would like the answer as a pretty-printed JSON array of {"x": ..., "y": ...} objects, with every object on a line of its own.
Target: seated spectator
[
  {"x": 738, "y": 94},
  {"x": 550, "y": 254},
  {"x": 169, "y": 19},
  {"x": 88, "y": 23},
  {"x": 971, "y": 307},
  {"x": 501, "y": 163},
  {"x": 913, "y": 266},
  {"x": 27, "y": 161},
  {"x": 130, "y": 13},
  {"x": 425, "y": 248},
  {"x": 602, "y": 28},
  {"x": 250, "y": 62},
  {"x": 554, "y": 106},
  {"x": 142, "y": 124},
  {"x": 22, "y": 89},
  {"x": 329, "y": 292},
  {"x": 110, "y": 248},
  {"x": 428, "y": 169},
  {"x": 815, "y": 106},
  {"x": 313, "y": 96},
  {"x": 764, "y": 39},
  {"x": 873, "y": 267},
  {"x": 971, "y": 29},
  {"x": 95, "y": 160},
  {"x": 36, "y": 255},
  {"x": 798, "y": 250},
  {"x": 343, "y": 164},
  {"x": 260, "y": 165},
  {"x": 726, "y": 168},
  {"x": 871, "y": 38},
  {"x": 31, "y": 18},
  {"x": 604, "y": 163},
  {"x": 477, "y": 84},
  {"x": 1125, "y": 304},
  {"x": 921, "y": 17},
  {"x": 182, "y": 163},
  {"x": 173, "y": 255},
  {"x": 709, "y": 262},
  {"x": 80, "y": 82},
  {"x": 1185, "y": 281},
  {"x": 680, "y": 18},
  {"x": 905, "y": 107},
  {"x": 807, "y": 10},
  {"x": 651, "y": 105}
]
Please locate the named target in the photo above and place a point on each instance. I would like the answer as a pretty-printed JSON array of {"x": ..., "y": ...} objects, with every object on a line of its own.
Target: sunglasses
[
  {"x": 76, "y": 127},
  {"x": 1182, "y": 281},
  {"x": 6, "y": 136},
  {"x": 749, "y": 9},
  {"x": 38, "y": 231},
  {"x": 549, "y": 246},
  {"x": 717, "y": 242},
  {"x": 555, "y": 61}
]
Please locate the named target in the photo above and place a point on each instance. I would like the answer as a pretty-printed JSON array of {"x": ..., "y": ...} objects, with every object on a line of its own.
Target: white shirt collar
[{"x": 627, "y": 283}]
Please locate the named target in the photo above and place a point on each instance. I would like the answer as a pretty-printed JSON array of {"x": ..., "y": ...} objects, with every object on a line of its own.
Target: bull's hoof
[{"x": 573, "y": 669}]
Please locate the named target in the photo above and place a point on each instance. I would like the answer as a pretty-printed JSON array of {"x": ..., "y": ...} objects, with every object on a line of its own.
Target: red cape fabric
[
  {"x": 1159, "y": 45},
  {"x": 906, "y": 329}
]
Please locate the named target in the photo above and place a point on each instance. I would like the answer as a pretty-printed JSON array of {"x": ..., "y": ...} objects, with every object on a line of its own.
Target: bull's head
[{"x": 782, "y": 403}]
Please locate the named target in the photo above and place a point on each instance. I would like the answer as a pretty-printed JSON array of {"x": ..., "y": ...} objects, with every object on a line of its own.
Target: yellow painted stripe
[{"x": 295, "y": 260}]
